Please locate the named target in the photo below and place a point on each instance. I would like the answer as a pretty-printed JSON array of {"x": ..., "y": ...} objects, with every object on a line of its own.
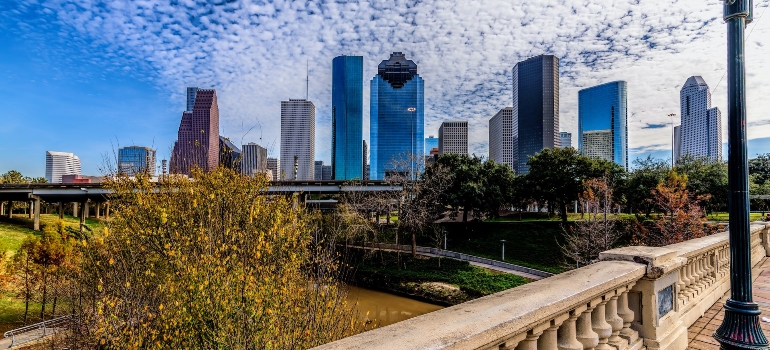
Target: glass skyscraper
[
  {"x": 535, "y": 107},
  {"x": 431, "y": 142},
  {"x": 347, "y": 117},
  {"x": 603, "y": 109},
  {"x": 135, "y": 159},
  {"x": 397, "y": 117}
]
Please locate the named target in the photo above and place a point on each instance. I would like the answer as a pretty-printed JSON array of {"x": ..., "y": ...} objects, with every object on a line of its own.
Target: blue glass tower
[
  {"x": 603, "y": 109},
  {"x": 430, "y": 143},
  {"x": 347, "y": 117},
  {"x": 136, "y": 159},
  {"x": 397, "y": 116}
]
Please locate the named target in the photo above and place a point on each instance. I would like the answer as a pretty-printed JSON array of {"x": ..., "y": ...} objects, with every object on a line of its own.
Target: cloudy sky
[{"x": 90, "y": 76}]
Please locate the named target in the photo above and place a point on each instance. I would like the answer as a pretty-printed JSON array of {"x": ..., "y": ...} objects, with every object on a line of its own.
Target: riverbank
[{"x": 450, "y": 283}]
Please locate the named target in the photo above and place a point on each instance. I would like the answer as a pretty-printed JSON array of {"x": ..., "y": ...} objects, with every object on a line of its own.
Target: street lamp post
[
  {"x": 502, "y": 240},
  {"x": 740, "y": 327}
]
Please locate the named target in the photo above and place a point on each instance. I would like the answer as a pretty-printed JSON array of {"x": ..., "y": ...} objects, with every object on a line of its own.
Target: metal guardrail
[{"x": 45, "y": 326}]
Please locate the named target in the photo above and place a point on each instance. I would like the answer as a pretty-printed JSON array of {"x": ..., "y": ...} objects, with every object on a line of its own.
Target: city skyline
[{"x": 103, "y": 88}]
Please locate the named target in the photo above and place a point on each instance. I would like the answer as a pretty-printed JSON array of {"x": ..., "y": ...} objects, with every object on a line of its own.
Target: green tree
[
  {"x": 638, "y": 187},
  {"x": 705, "y": 176},
  {"x": 466, "y": 188},
  {"x": 15, "y": 177},
  {"x": 760, "y": 166},
  {"x": 498, "y": 187},
  {"x": 556, "y": 176}
]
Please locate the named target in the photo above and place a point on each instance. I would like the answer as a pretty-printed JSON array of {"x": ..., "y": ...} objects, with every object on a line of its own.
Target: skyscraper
[
  {"x": 274, "y": 165},
  {"x": 253, "y": 160},
  {"x": 453, "y": 137},
  {"x": 347, "y": 117},
  {"x": 365, "y": 164},
  {"x": 701, "y": 128},
  {"x": 60, "y": 163},
  {"x": 565, "y": 139},
  {"x": 197, "y": 142},
  {"x": 229, "y": 154},
  {"x": 191, "y": 92},
  {"x": 535, "y": 107},
  {"x": 503, "y": 144},
  {"x": 318, "y": 170},
  {"x": 397, "y": 117},
  {"x": 677, "y": 143},
  {"x": 135, "y": 159},
  {"x": 431, "y": 142},
  {"x": 297, "y": 139},
  {"x": 603, "y": 108}
]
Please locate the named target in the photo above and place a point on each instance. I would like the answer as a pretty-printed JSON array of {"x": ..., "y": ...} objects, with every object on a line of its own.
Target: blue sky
[{"x": 90, "y": 76}]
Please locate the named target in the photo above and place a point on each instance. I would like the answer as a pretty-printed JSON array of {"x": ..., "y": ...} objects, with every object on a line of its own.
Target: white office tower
[
  {"x": 677, "y": 142},
  {"x": 565, "y": 139},
  {"x": 60, "y": 163},
  {"x": 597, "y": 144},
  {"x": 701, "y": 129},
  {"x": 297, "y": 140},
  {"x": 253, "y": 159},
  {"x": 453, "y": 137},
  {"x": 503, "y": 146},
  {"x": 274, "y": 165}
]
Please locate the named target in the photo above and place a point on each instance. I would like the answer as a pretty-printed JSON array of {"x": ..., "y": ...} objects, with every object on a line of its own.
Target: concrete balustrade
[{"x": 634, "y": 298}]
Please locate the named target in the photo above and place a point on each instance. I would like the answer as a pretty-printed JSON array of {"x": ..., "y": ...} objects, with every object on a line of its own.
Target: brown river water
[{"x": 384, "y": 308}]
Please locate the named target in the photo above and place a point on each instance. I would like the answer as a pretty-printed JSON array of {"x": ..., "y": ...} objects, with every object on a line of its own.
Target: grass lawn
[
  {"x": 531, "y": 244},
  {"x": 725, "y": 216}
]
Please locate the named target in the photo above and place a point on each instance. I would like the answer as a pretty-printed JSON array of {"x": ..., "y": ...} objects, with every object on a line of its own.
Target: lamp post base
[{"x": 740, "y": 328}]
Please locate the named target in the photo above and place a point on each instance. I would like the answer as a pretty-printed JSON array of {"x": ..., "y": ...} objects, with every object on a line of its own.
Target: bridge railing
[
  {"x": 40, "y": 330},
  {"x": 634, "y": 298}
]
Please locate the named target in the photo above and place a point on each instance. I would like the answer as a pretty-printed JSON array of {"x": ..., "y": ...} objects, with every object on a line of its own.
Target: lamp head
[{"x": 739, "y": 8}]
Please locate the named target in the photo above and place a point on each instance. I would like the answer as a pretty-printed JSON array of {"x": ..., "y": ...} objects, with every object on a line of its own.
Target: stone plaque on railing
[{"x": 665, "y": 301}]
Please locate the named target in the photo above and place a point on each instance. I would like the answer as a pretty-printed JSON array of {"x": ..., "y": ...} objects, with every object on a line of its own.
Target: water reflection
[{"x": 384, "y": 308}]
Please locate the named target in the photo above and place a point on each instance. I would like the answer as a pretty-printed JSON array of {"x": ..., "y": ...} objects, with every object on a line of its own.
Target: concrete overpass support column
[
  {"x": 35, "y": 206},
  {"x": 75, "y": 209},
  {"x": 98, "y": 210},
  {"x": 10, "y": 209},
  {"x": 107, "y": 210},
  {"x": 29, "y": 210},
  {"x": 86, "y": 213},
  {"x": 61, "y": 210},
  {"x": 83, "y": 217}
]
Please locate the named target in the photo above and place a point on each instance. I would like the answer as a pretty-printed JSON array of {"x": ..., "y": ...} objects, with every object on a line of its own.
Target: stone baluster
[
  {"x": 611, "y": 312},
  {"x": 628, "y": 316},
  {"x": 701, "y": 271},
  {"x": 681, "y": 284},
  {"x": 511, "y": 343},
  {"x": 530, "y": 341},
  {"x": 549, "y": 339},
  {"x": 585, "y": 332},
  {"x": 600, "y": 326},
  {"x": 567, "y": 334}
]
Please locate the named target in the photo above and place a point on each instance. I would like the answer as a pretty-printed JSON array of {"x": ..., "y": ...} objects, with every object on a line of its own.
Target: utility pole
[{"x": 740, "y": 327}]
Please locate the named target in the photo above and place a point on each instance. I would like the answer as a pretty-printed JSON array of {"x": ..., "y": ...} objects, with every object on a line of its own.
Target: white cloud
[{"x": 254, "y": 53}]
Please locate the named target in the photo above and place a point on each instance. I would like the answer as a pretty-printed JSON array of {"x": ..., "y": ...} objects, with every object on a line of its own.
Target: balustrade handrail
[{"x": 48, "y": 324}]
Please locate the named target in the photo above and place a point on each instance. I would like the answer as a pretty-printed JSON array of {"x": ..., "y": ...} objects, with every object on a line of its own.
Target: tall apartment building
[
  {"x": 701, "y": 128},
  {"x": 397, "y": 117},
  {"x": 229, "y": 154},
  {"x": 197, "y": 142},
  {"x": 453, "y": 137},
  {"x": 133, "y": 160},
  {"x": 565, "y": 139},
  {"x": 253, "y": 159},
  {"x": 58, "y": 164},
  {"x": 347, "y": 117},
  {"x": 274, "y": 165},
  {"x": 503, "y": 143},
  {"x": 297, "y": 139},
  {"x": 535, "y": 107},
  {"x": 603, "y": 108}
]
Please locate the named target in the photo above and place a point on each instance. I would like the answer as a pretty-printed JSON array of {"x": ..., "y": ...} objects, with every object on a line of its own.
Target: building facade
[
  {"x": 347, "y": 117},
  {"x": 253, "y": 159},
  {"x": 597, "y": 144},
  {"x": 133, "y": 160},
  {"x": 453, "y": 137},
  {"x": 565, "y": 139},
  {"x": 58, "y": 164},
  {"x": 197, "y": 142},
  {"x": 365, "y": 164},
  {"x": 229, "y": 154},
  {"x": 274, "y": 165},
  {"x": 604, "y": 108},
  {"x": 297, "y": 140},
  {"x": 535, "y": 107},
  {"x": 503, "y": 145},
  {"x": 677, "y": 143},
  {"x": 701, "y": 128},
  {"x": 396, "y": 117}
]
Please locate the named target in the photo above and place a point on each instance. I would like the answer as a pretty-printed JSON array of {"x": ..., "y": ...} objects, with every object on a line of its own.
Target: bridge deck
[{"x": 699, "y": 334}]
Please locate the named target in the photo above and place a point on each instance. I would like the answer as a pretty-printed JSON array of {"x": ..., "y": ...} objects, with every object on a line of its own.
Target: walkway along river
[{"x": 384, "y": 308}]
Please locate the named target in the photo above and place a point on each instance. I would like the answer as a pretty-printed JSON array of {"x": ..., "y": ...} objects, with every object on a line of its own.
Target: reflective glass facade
[
  {"x": 347, "y": 117},
  {"x": 430, "y": 143},
  {"x": 604, "y": 108},
  {"x": 397, "y": 116},
  {"x": 134, "y": 160}
]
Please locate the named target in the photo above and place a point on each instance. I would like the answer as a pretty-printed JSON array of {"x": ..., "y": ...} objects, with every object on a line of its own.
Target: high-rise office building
[
  {"x": 253, "y": 159},
  {"x": 347, "y": 117},
  {"x": 397, "y": 117},
  {"x": 701, "y": 128},
  {"x": 565, "y": 139},
  {"x": 604, "y": 108},
  {"x": 431, "y": 142},
  {"x": 453, "y": 137},
  {"x": 191, "y": 92},
  {"x": 297, "y": 139},
  {"x": 274, "y": 165},
  {"x": 503, "y": 144},
  {"x": 365, "y": 164},
  {"x": 597, "y": 144},
  {"x": 535, "y": 107},
  {"x": 197, "y": 142},
  {"x": 677, "y": 142},
  {"x": 229, "y": 154},
  {"x": 58, "y": 164},
  {"x": 133, "y": 160},
  {"x": 318, "y": 170}
]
